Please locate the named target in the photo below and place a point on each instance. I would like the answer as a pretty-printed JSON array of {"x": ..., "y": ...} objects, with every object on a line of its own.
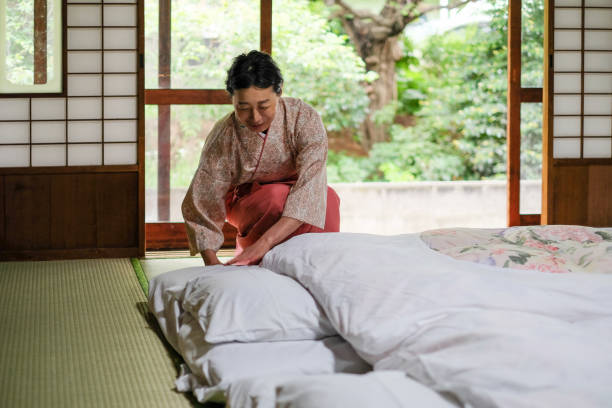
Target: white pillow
[
  {"x": 251, "y": 303},
  {"x": 389, "y": 389},
  {"x": 165, "y": 298},
  {"x": 213, "y": 367}
]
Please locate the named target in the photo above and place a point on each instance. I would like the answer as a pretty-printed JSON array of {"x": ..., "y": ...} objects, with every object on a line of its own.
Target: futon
[{"x": 515, "y": 317}]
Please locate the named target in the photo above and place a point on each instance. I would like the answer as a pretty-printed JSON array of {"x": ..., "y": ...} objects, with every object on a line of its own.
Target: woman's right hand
[{"x": 210, "y": 257}]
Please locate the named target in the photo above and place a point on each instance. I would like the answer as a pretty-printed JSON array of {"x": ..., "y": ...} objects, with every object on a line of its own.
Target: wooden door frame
[
  {"x": 171, "y": 235},
  {"x": 516, "y": 96}
]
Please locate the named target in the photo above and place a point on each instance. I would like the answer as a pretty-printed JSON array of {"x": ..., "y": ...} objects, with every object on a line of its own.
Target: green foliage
[
  {"x": 457, "y": 89},
  {"x": 19, "y": 52},
  {"x": 318, "y": 64}
]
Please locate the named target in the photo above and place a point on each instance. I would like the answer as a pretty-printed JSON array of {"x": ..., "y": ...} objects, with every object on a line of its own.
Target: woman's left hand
[{"x": 251, "y": 255}]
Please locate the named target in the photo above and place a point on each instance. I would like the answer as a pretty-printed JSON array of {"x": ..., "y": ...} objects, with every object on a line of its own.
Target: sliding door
[{"x": 578, "y": 120}]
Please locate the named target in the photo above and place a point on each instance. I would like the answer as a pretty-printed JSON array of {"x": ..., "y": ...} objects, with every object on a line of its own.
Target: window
[{"x": 31, "y": 46}]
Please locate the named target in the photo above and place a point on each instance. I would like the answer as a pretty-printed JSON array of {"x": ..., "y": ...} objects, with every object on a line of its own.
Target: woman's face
[{"x": 255, "y": 107}]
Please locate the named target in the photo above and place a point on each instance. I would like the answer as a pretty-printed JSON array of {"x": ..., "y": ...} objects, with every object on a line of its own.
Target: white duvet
[{"x": 491, "y": 337}]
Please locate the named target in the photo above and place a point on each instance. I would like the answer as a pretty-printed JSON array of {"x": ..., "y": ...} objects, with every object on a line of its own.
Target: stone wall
[{"x": 395, "y": 208}]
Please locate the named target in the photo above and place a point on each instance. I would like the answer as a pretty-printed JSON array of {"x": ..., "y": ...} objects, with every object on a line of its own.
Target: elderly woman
[{"x": 262, "y": 168}]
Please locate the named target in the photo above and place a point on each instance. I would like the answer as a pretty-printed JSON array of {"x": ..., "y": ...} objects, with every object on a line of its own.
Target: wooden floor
[{"x": 78, "y": 334}]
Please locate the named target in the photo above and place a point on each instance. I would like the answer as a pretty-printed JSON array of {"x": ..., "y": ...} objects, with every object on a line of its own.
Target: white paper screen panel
[
  {"x": 84, "y": 38},
  {"x": 599, "y": 148},
  {"x": 86, "y": 16},
  {"x": 568, "y": 18},
  {"x": 598, "y": 104},
  {"x": 14, "y": 109},
  {"x": 120, "y": 108},
  {"x": 15, "y": 156},
  {"x": 85, "y": 108},
  {"x": 119, "y": 38},
  {"x": 566, "y": 126},
  {"x": 598, "y": 61},
  {"x": 85, "y": 131},
  {"x": 568, "y": 61},
  {"x": 120, "y": 61},
  {"x": 568, "y": 39},
  {"x": 598, "y": 83},
  {"x": 84, "y": 154},
  {"x": 120, "y": 130},
  {"x": 568, "y": 83},
  {"x": 566, "y": 148},
  {"x": 120, "y": 153},
  {"x": 49, "y": 132},
  {"x": 14, "y": 132},
  {"x": 84, "y": 61},
  {"x": 120, "y": 15},
  {"x": 597, "y": 40},
  {"x": 48, "y": 108},
  {"x": 120, "y": 84},
  {"x": 568, "y": 3},
  {"x": 598, "y": 3},
  {"x": 597, "y": 126},
  {"x": 48, "y": 155},
  {"x": 598, "y": 18},
  {"x": 84, "y": 85}
]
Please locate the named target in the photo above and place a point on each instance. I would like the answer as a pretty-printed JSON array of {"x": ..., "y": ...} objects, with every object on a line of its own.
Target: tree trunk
[{"x": 380, "y": 57}]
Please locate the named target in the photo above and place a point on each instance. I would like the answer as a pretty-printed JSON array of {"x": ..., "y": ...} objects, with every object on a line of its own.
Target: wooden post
[
  {"x": 265, "y": 26},
  {"x": 163, "y": 115},
  {"x": 514, "y": 113},
  {"x": 40, "y": 41}
]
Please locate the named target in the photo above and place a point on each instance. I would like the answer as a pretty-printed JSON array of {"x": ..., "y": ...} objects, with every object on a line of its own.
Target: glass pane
[
  {"x": 210, "y": 34},
  {"x": 31, "y": 58},
  {"x": 190, "y": 124},
  {"x": 531, "y": 158},
  {"x": 532, "y": 44}
]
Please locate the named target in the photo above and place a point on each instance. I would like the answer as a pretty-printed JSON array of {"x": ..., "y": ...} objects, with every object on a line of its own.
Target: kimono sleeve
[
  {"x": 204, "y": 204},
  {"x": 307, "y": 198}
]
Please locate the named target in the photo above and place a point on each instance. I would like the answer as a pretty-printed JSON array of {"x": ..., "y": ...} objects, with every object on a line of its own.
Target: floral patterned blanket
[{"x": 545, "y": 248}]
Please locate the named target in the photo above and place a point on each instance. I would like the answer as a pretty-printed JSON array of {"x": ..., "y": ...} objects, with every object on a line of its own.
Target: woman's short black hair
[{"x": 253, "y": 69}]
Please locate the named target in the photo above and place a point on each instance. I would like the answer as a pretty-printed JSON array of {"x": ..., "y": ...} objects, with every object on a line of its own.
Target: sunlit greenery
[{"x": 451, "y": 88}]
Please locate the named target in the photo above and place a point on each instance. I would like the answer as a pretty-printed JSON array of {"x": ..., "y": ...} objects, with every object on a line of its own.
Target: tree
[
  {"x": 376, "y": 40},
  {"x": 460, "y": 129}
]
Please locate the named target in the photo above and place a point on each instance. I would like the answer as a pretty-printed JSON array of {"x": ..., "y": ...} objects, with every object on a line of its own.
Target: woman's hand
[{"x": 251, "y": 255}]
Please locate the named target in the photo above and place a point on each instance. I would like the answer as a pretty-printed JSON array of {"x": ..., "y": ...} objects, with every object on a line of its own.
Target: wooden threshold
[{"x": 173, "y": 235}]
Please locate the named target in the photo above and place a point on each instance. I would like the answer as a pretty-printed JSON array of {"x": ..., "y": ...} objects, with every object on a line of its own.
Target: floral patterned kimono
[{"x": 234, "y": 159}]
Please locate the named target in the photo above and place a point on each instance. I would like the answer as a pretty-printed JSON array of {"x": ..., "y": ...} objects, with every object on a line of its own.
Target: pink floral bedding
[{"x": 546, "y": 248}]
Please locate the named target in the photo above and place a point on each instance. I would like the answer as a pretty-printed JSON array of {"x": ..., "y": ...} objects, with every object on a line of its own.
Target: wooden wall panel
[
  {"x": 117, "y": 210},
  {"x": 59, "y": 216},
  {"x": 2, "y": 195},
  {"x": 600, "y": 196},
  {"x": 73, "y": 205},
  {"x": 27, "y": 212},
  {"x": 570, "y": 192}
]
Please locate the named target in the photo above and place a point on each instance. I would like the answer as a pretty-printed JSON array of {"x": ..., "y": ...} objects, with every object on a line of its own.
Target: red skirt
[{"x": 253, "y": 208}]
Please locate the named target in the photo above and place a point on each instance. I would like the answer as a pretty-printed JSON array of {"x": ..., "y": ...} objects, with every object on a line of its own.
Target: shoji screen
[
  {"x": 78, "y": 157},
  {"x": 580, "y": 112}
]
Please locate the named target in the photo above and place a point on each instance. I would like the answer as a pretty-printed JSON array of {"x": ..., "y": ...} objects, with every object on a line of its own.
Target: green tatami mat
[{"x": 76, "y": 334}]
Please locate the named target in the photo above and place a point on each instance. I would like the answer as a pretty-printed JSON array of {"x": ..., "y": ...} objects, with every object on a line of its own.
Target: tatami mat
[{"x": 77, "y": 334}]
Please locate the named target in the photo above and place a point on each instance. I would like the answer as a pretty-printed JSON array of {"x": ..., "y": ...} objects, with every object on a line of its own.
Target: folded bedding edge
[{"x": 189, "y": 382}]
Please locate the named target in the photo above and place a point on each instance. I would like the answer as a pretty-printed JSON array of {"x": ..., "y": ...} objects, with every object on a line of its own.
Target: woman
[{"x": 263, "y": 168}]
